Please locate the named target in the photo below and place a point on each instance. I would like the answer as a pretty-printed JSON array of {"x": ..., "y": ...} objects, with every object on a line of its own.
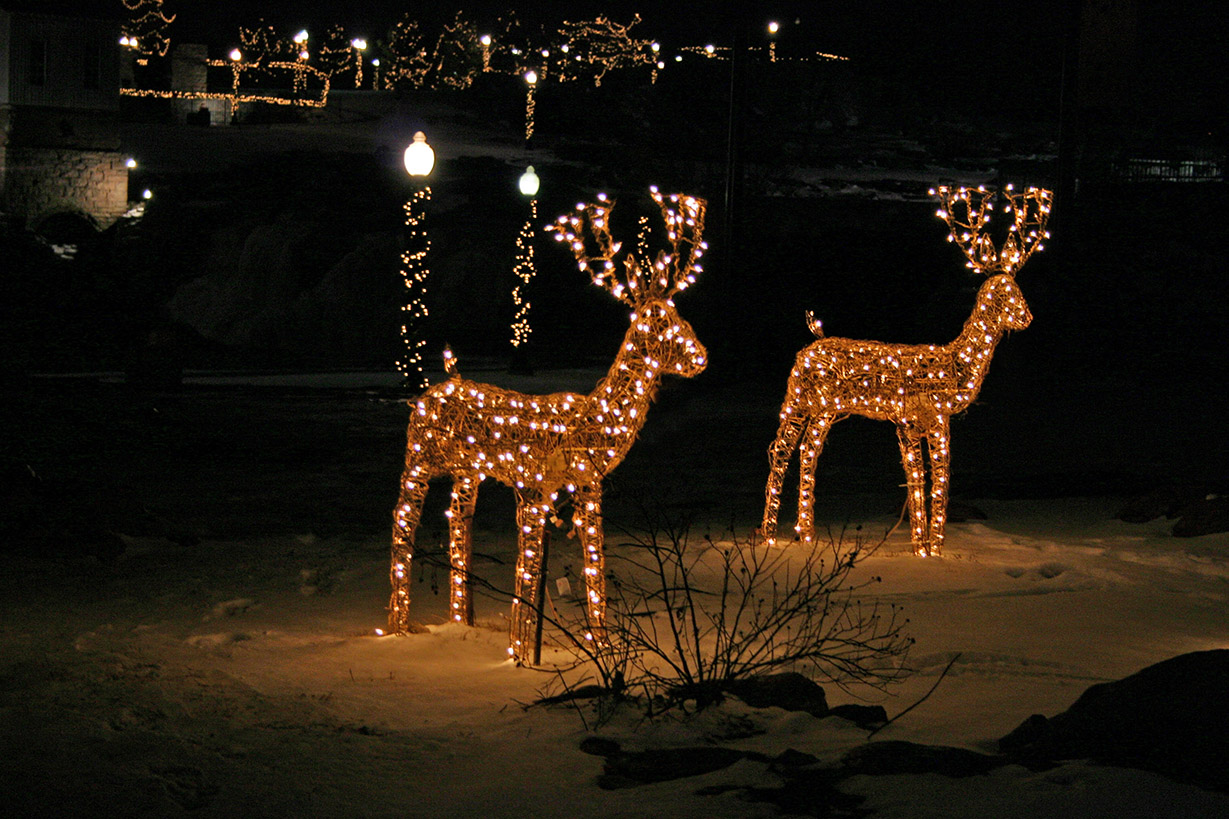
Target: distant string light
[
  {"x": 542, "y": 445},
  {"x": 715, "y": 52},
  {"x": 919, "y": 387},
  {"x": 236, "y": 97},
  {"x": 596, "y": 47},
  {"x": 531, "y": 82},
  {"x": 409, "y": 62},
  {"x": 359, "y": 45},
  {"x": 145, "y": 31}
]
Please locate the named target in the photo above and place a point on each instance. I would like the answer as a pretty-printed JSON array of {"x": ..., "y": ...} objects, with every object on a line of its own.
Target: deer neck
[
  {"x": 974, "y": 347},
  {"x": 622, "y": 398}
]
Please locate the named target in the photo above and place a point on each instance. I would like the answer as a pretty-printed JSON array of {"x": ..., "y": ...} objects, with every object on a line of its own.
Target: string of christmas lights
[
  {"x": 918, "y": 387},
  {"x": 531, "y": 82},
  {"x": 542, "y": 445},
  {"x": 414, "y": 273},
  {"x": 408, "y": 60},
  {"x": 524, "y": 271},
  {"x": 715, "y": 52},
  {"x": 236, "y": 97},
  {"x": 578, "y": 51},
  {"x": 263, "y": 43},
  {"x": 337, "y": 52},
  {"x": 145, "y": 30},
  {"x": 458, "y": 55},
  {"x": 593, "y": 48}
]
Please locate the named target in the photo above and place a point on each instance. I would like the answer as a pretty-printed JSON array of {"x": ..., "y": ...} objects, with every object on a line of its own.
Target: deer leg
[
  {"x": 940, "y": 463},
  {"x": 531, "y": 515},
  {"x": 461, "y": 548},
  {"x": 587, "y": 518},
  {"x": 915, "y": 480},
  {"x": 809, "y": 447},
  {"x": 405, "y": 525},
  {"x": 779, "y": 453}
]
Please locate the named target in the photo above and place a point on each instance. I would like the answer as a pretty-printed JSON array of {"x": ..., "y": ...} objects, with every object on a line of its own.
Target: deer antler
[
  {"x": 677, "y": 270},
  {"x": 671, "y": 271},
  {"x": 571, "y": 229},
  {"x": 1030, "y": 211}
]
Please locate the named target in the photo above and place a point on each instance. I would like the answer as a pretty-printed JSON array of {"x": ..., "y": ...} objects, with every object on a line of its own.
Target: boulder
[
  {"x": 1171, "y": 718},
  {"x": 1164, "y": 501},
  {"x": 790, "y": 690},
  {"x": 1206, "y": 516},
  {"x": 863, "y": 716},
  {"x": 898, "y": 757},
  {"x": 624, "y": 769}
]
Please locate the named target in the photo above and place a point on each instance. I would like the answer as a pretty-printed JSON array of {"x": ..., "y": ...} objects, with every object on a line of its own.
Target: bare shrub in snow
[{"x": 690, "y": 616}]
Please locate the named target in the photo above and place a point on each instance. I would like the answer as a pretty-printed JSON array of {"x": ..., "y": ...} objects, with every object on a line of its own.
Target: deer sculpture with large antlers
[
  {"x": 918, "y": 387},
  {"x": 541, "y": 445}
]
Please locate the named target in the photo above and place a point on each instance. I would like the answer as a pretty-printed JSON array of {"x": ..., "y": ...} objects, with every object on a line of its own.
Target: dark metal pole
[
  {"x": 541, "y": 601},
  {"x": 731, "y": 250}
]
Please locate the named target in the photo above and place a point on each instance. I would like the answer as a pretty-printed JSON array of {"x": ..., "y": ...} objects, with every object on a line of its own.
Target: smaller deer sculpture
[
  {"x": 918, "y": 387},
  {"x": 541, "y": 445}
]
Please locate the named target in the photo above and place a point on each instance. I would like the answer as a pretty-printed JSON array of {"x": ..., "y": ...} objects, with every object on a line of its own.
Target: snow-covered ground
[
  {"x": 242, "y": 675},
  {"x": 238, "y": 673}
]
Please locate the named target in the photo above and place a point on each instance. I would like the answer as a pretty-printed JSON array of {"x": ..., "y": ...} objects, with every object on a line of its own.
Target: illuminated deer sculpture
[
  {"x": 918, "y": 387},
  {"x": 541, "y": 445}
]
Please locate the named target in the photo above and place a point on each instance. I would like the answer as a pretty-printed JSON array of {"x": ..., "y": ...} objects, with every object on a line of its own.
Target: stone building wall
[{"x": 41, "y": 182}]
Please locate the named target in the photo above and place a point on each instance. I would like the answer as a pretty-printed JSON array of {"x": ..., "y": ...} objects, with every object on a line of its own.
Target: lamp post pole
[
  {"x": 419, "y": 160},
  {"x": 359, "y": 45},
  {"x": 300, "y": 81},
  {"x": 485, "y": 40}
]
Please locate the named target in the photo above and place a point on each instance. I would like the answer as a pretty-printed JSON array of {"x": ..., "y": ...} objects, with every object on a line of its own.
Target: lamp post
[
  {"x": 359, "y": 45},
  {"x": 531, "y": 82},
  {"x": 375, "y": 74},
  {"x": 524, "y": 271},
  {"x": 236, "y": 68},
  {"x": 300, "y": 40},
  {"x": 773, "y": 28},
  {"x": 419, "y": 160},
  {"x": 485, "y": 41}
]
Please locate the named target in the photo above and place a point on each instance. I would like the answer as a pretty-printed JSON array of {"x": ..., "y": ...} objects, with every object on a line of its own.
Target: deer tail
[{"x": 815, "y": 325}]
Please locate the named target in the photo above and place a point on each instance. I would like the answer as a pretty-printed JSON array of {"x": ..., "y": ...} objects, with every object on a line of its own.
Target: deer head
[
  {"x": 967, "y": 212},
  {"x": 648, "y": 287}
]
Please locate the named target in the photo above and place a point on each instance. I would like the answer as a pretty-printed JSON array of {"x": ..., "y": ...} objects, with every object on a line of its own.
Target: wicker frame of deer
[
  {"x": 541, "y": 445},
  {"x": 918, "y": 387}
]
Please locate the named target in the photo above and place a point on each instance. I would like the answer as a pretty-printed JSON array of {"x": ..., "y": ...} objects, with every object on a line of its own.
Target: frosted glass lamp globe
[
  {"x": 419, "y": 158},
  {"x": 529, "y": 182}
]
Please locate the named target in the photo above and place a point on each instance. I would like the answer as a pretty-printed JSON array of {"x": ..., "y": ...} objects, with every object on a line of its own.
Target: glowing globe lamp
[{"x": 419, "y": 158}]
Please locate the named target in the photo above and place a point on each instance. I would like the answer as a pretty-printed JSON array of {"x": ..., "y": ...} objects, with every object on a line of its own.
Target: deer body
[
  {"x": 918, "y": 387},
  {"x": 541, "y": 445}
]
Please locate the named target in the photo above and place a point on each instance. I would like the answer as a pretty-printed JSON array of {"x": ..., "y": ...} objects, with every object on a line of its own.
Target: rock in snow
[{"x": 1171, "y": 718}]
